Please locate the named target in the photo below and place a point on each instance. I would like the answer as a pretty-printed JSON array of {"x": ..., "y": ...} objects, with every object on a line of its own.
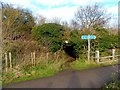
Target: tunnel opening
[{"x": 70, "y": 50}]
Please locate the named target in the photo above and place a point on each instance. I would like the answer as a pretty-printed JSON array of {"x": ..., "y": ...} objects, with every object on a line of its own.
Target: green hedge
[{"x": 49, "y": 34}]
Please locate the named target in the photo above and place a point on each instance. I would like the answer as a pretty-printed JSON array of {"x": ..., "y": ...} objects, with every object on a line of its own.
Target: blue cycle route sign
[{"x": 88, "y": 36}]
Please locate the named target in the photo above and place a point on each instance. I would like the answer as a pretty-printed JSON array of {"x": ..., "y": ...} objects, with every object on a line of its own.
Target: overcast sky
[{"x": 63, "y": 9}]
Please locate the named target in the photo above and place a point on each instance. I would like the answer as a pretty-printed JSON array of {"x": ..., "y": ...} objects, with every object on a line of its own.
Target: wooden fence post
[
  {"x": 113, "y": 54},
  {"x": 10, "y": 58},
  {"x": 55, "y": 55},
  {"x": 97, "y": 56},
  {"x": 24, "y": 59},
  {"x": 47, "y": 55},
  {"x": 34, "y": 57},
  {"x": 6, "y": 62}
]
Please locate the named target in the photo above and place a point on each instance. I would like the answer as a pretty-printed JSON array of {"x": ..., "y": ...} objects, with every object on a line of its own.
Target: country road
[{"x": 93, "y": 78}]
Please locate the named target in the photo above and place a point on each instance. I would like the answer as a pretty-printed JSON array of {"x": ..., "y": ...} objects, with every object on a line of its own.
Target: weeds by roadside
[{"x": 115, "y": 84}]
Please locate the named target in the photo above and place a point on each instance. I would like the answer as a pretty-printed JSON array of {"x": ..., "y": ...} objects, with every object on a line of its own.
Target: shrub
[
  {"x": 105, "y": 40},
  {"x": 49, "y": 35}
]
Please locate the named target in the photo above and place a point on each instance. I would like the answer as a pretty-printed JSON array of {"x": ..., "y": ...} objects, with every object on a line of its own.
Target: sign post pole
[
  {"x": 88, "y": 48},
  {"x": 88, "y": 37}
]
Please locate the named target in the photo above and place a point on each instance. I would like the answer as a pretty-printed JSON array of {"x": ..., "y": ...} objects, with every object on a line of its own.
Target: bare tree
[
  {"x": 55, "y": 20},
  {"x": 40, "y": 20},
  {"x": 90, "y": 16},
  {"x": 65, "y": 23},
  {"x": 16, "y": 22},
  {"x": 74, "y": 24}
]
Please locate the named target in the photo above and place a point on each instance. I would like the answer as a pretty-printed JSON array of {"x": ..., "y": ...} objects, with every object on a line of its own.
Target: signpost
[{"x": 88, "y": 37}]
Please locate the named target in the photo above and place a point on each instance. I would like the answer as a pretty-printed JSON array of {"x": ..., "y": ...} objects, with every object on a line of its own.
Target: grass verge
[
  {"x": 31, "y": 72},
  {"x": 82, "y": 64}
]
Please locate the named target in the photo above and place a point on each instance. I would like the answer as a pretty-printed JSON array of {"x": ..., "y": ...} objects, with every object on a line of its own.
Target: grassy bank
[
  {"x": 29, "y": 72},
  {"x": 82, "y": 64}
]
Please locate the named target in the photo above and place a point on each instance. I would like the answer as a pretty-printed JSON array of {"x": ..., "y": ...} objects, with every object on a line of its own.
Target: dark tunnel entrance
[{"x": 69, "y": 49}]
